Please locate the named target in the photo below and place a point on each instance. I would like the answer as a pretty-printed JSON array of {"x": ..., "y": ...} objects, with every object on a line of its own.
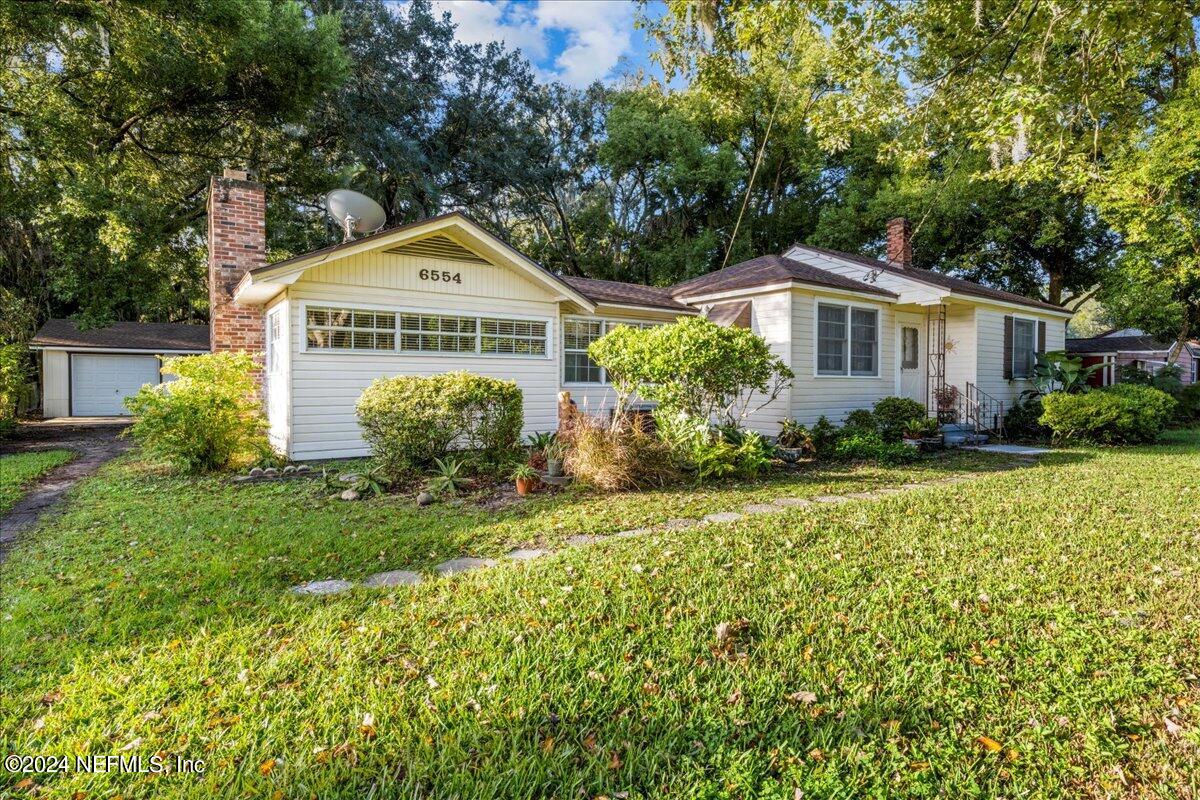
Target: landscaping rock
[
  {"x": 396, "y": 577},
  {"x": 456, "y": 565},
  {"x": 270, "y": 472},
  {"x": 525, "y": 554},
  {"x": 289, "y": 470},
  {"x": 723, "y": 516},
  {"x": 425, "y": 499},
  {"x": 323, "y": 587},
  {"x": 349, "y": 494},
  {"x": 257, "y": 472},
  {"x": 349, "y": 477},
  {"x": 302, "y": 468},
  {"x": 242, "y": 479}
]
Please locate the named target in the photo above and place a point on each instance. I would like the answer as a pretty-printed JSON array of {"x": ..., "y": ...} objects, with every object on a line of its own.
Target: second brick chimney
[
  {"x": 237, "y": 243},
  {"x": 899, "y": 242}
]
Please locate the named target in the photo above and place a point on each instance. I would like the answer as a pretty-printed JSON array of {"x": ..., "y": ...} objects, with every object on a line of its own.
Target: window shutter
[
  {"x": 1041, "y": 336},
  {"x": 1008, "y": 348}
]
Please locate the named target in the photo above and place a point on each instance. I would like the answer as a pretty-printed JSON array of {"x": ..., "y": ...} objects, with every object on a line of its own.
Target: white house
[{"x": 445, "y": 294}]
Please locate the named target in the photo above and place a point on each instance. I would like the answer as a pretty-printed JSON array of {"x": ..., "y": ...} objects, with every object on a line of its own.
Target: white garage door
[{"x": 100, "y": 383}]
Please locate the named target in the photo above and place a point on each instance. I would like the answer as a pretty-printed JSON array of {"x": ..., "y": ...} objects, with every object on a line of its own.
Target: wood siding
[{"x": 989, "y": 368}]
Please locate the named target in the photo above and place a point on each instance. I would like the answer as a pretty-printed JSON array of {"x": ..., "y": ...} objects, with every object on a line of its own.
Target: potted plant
[
  {"x": 947, "y": 404},
  {"x": 538, "y": 443},
  {"x": 525, "y": 477},
  {"x": 921, "y": 431},
  {"x": 555, "y": 450}
]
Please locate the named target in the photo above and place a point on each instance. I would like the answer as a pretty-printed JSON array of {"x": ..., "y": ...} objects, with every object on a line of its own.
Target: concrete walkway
[
  {"x": 93, "y": 443},
  {"x": 776, "y": 506}
]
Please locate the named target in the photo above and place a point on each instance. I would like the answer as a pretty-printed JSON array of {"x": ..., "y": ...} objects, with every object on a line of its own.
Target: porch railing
[{"x": 984, "y": 412}]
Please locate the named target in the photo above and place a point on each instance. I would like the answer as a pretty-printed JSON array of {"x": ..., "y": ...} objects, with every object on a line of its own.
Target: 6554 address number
[{"x": 440, "y": 276}]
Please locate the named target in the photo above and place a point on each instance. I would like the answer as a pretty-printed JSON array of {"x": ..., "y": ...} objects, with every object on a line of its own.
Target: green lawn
[
  {"x": 887, "y": 646},
  {"x": 17, "y": 471}
]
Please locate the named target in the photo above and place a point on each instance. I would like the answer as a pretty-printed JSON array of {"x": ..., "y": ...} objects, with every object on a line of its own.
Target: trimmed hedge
[
  {"x": 409, "y": 421},
  {"x": 1123, "y": 414},
  {"x": 892, "y": 415}
]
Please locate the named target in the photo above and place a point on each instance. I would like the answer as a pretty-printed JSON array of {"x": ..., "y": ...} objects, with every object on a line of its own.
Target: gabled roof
[
  {"x": 157, "y": 337},
  {"x": 939, "y": 279},
  {"x": 1107, "y": 343},
  {"x": 628, "y": 294},
  {"x": 261, "y": 284},
  {"x": 768, "y": 270}
]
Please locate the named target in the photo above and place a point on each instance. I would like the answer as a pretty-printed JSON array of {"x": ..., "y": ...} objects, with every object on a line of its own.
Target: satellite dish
[{"x": 354, "y": 212}]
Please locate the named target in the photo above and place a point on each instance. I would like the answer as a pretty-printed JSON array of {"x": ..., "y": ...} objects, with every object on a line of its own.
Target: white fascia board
[
  {"x": 82, "y": 348},
  {"x": 601, "y": 306},
  {"x": 1025, "y": 309}
]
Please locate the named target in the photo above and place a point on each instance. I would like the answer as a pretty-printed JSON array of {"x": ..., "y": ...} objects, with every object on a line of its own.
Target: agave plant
[{"x": 448, "y": 477}]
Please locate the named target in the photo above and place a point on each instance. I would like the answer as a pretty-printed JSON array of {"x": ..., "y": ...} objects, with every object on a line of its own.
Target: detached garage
[{"x": 89, "y": 373}]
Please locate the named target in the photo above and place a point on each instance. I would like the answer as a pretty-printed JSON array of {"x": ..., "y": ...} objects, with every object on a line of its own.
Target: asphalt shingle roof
[
  {"x": 154, "y": 336},
  {"x": 766, "y": 270},
  {"x": 634, "y": 294}
]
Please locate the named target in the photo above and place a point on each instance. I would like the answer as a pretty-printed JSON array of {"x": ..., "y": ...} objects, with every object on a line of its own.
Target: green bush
[
  {"x": 13, "y": 374},
  {"x": 1123, "y": 414},
  {"x": 860, "y": 419},
  {"x": 824, "y": 435},
  {"x": 1189, "y": 404},
  {"x": 892, "y": 415},
  {"x": 858, "y": 445},
  {"x": 209, "y": 418},
  {"x": 1023, "y": 420},
  {"x": 409, "y": 421}
]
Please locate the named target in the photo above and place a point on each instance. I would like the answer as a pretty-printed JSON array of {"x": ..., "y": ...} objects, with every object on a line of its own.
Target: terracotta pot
[{"x": 525, "y": 485}]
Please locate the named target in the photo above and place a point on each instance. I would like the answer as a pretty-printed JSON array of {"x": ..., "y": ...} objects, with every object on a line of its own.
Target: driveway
[{"x": 94, "y": 442}]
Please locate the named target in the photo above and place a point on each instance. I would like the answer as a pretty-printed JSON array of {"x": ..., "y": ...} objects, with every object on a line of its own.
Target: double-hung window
[
  {"x": 1024, "y": 347},
  {"x": 416, "y": 333},
  {"x": 578, "y": 367},
  {"x": 847, "y": 340}
]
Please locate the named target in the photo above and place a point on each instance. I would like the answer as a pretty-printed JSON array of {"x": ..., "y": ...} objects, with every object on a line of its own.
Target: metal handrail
[{"x": 984, "y": 411}]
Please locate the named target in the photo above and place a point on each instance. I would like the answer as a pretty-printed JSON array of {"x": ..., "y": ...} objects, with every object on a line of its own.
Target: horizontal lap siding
[
  {"x": 835, "y": 397},
  {"x": 990, "y": 370},
  {"x": 771, "y": 318},
  {"x": 326, "y": 386},
  {"x": 56, "y": 397},
  {"x": 961, "y": 361}
]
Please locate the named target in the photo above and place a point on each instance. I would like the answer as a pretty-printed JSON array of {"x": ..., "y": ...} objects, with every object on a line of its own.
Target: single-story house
[
  {"x": 1131, "y": 346},
  {"x": 89, "y": 373},
  {"x": 444, "y": 294}
]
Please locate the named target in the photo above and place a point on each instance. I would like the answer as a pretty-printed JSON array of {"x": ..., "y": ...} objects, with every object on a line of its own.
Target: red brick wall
[
  {"x": 899, "y": 242},
  {"x": 237, "y": 242}
]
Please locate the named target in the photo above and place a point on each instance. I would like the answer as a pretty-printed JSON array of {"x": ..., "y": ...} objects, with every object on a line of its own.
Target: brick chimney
[
  {"x": 237, "y": 242},
  {"x": 899, "y": 242}
]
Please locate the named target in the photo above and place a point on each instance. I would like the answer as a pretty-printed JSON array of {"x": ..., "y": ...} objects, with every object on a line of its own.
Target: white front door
[
  {"x": 100, "y": 383},
  {"x": 910, "y": 349}
]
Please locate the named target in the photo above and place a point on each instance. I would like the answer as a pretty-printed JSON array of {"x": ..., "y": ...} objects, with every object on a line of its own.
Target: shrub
[
  {"x": 1123, "y": 414},
  {"x": 1023, "y": 420},
  {"x": 13, "y": 374},
  {"x": 1189, "y": 404},
  {"x": 825, "y": 437},
  {"x": 794, "y": 435},
  {"x": 209, "y": 418},
  {"x": 857, "y": 445},
  {"x": 892, "y": 414},
  {"x": 619, "y": 457},
  {"x": 694, "y": 367},
  {"x": 409, "y": 421},
  {"x": 860, "y": 419}
]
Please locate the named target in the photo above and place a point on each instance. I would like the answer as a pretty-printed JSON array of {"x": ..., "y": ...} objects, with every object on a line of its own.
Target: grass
[
  {"x": 19, "y": 470},
  {"x": 1022, "y": 635}
]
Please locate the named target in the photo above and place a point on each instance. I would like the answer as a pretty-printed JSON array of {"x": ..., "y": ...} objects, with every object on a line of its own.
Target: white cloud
[{"x": 595, "y": 33}]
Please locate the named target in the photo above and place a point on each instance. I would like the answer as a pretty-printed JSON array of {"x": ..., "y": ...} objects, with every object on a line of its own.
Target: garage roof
[{"x": 155, "y": 337}]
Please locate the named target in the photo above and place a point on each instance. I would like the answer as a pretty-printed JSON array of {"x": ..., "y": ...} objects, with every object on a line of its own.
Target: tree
[{"x": 114, "y": 115}]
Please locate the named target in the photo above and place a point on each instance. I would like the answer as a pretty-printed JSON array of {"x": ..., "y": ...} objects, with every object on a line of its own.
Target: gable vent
[{"x": 442, "y": 247}]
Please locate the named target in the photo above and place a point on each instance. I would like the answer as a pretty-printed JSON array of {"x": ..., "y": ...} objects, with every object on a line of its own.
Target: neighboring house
[
  {"x": 89, "y": 373},
  {"x": 444, "y": 294},
  {"x": 1130, "y": 346}
]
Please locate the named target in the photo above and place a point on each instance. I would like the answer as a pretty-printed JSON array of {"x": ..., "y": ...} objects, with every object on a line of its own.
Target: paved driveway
[{"x": 94, "y": 442}]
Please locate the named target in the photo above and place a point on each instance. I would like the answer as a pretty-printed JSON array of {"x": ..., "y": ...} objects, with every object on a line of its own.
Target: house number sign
[{"x": 440, "y": 276}]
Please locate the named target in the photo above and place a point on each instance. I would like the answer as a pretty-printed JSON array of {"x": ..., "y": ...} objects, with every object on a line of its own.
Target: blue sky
[{"x": 572, "y": 41}]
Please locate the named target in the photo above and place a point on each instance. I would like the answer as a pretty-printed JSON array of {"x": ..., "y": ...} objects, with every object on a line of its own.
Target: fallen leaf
[
  {"x": 989, "y": 744},
  {"x": 802, "y": 697},
  {"x": 548, "y": 744},
  {"x": 1173, "y": 727},
  {"x": 367, "y": 728},
  {"x": 614, "y": 763},
  {"x": 50, "y": 698},
  {"x": 589, "y": 743},
  {"x": 268, "y": 766}
]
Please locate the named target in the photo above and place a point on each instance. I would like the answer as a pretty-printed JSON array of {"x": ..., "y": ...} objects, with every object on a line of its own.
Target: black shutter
[
  {"x": 1041, "y": 336},
  {"x": 1008, "y": 348}
]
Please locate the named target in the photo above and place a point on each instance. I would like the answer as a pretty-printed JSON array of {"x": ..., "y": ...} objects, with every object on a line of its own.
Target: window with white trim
[
  {"x": 350, "y": 329},
  {"x": 578, "y": 367},
  {"x": 847, "y": 340},
  {"x": 437, "y": 333},
  {"x": 512, "y": 337},
  {"x": 1024, "y": 347},
  {"x": 274, "y": 337}
]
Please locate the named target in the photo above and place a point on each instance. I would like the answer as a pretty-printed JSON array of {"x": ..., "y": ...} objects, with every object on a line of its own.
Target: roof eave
[{"x": 723, "y": 294}]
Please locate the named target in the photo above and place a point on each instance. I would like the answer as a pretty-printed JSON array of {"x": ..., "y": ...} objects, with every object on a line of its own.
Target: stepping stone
[
  {"x": 396, "y": 577},
  {"x": 679, "y": 524},
  {"x": 456, "y": 565},
  {"x": 830, "y": 498},
  {"x": 632, "y": 532},
  {"x": 525, "y": 554},
  {"x": 762, "y": 508},
  {"x": 723, "y": 516},
  {"x": 864, "y": 495},
  {"x": 580, "y": 539},
  {"x": 323, "y": 587},
  {"x": 792, "y": 502}
]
